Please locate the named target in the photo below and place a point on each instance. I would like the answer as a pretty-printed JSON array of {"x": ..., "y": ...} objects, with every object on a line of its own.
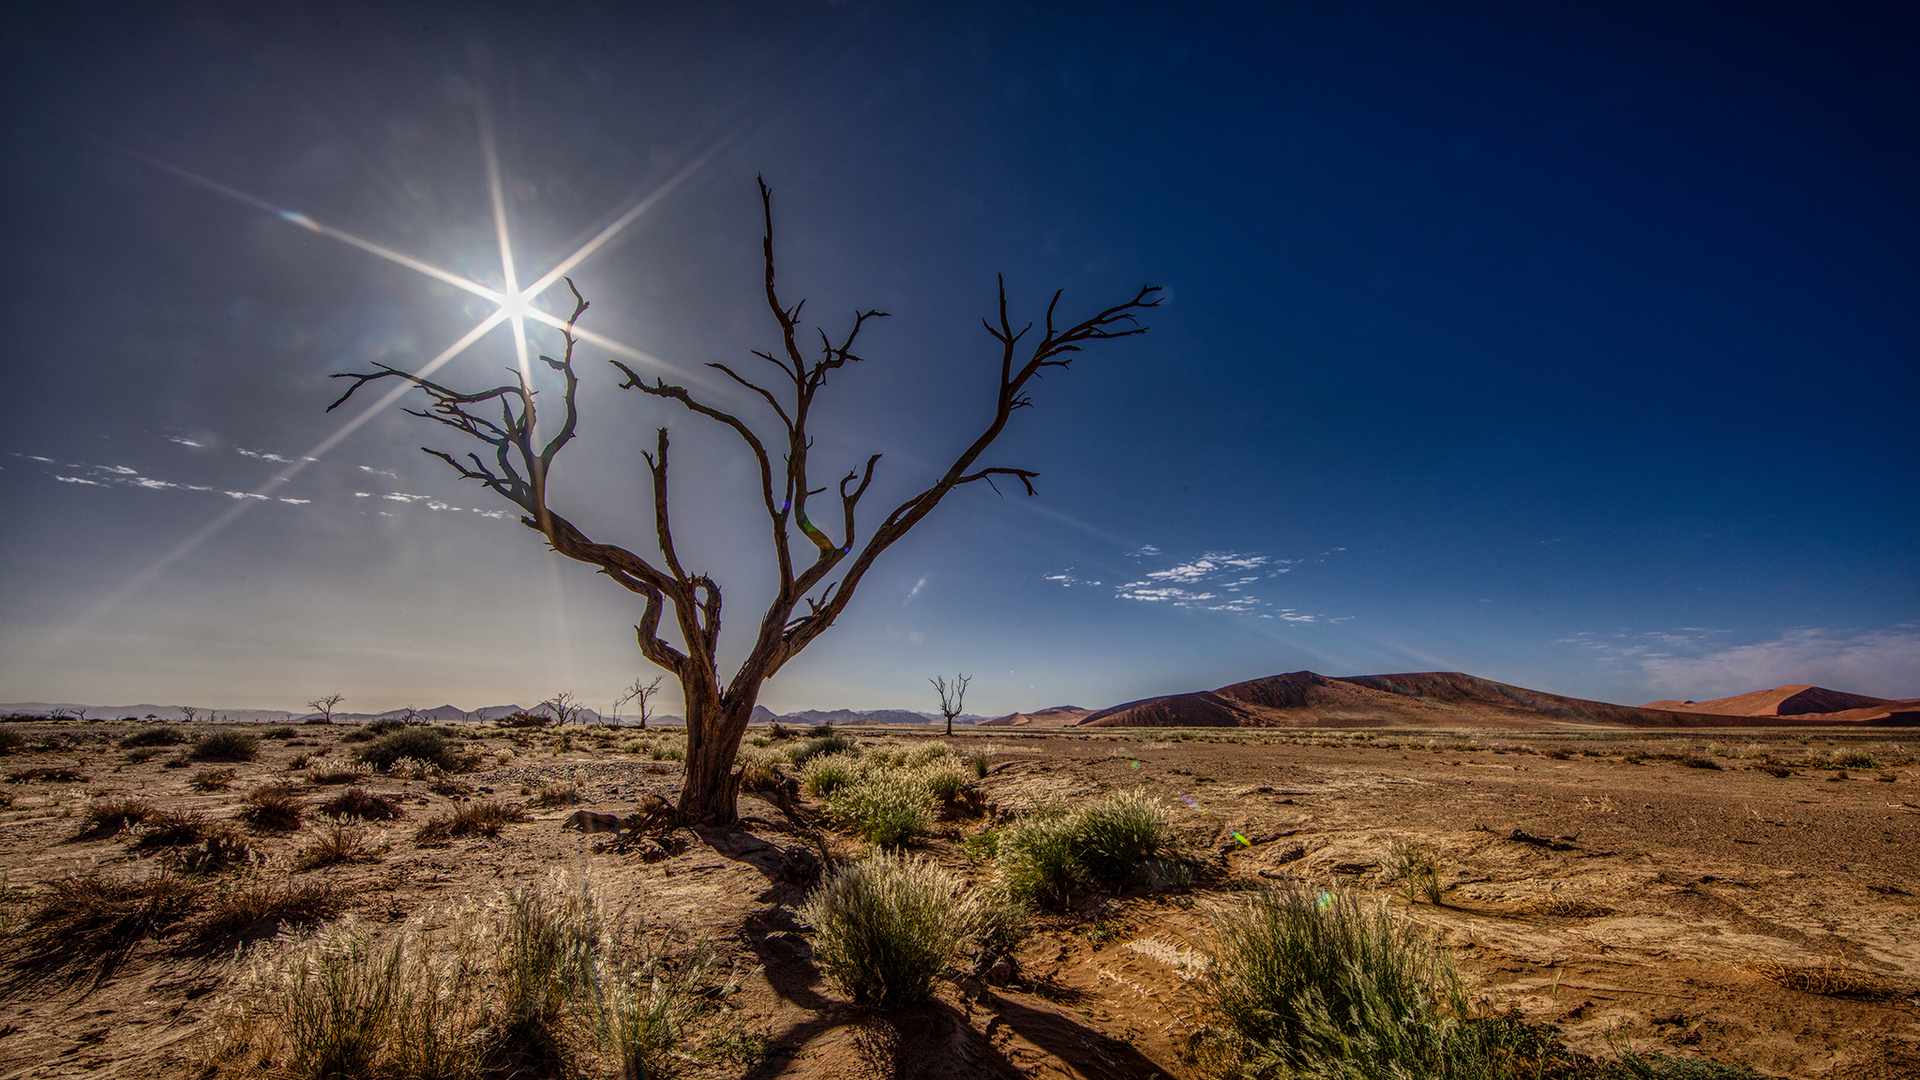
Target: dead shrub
[
  {"x": 361, "y": 805},
  {"x": 273, "y": 808},
  {"x": 47, "y": 775},
  {"x": 212, "y": 779},
  {"x": 474, "y": 819}
]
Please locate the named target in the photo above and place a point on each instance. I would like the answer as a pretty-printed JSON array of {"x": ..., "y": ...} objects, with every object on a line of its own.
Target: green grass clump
[
  {"x": 886, "y": 927},
  {"x": 1044, "y": 856},
  {"x": 827, "y": 774},
  {"x": 1852, "y": 759},
  {"x": 945, "y": 778},
  {"x": 224, "y": 746},
  {"x": 1313, "y": 984},
  {"x": 885, "y": 807},
  {"x": 1415, "y": 867}
]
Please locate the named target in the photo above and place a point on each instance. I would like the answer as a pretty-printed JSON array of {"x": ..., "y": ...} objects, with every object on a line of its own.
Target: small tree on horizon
[
  {"x": 951, "y": 695},
  {"x": 325, "y": 706},
  {"x": 642, "y": 692},
  {"x": 503, "y": 419}
]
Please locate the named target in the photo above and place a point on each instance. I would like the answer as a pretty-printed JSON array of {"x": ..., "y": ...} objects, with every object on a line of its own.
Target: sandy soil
[{"x": 1649, "y": 910}]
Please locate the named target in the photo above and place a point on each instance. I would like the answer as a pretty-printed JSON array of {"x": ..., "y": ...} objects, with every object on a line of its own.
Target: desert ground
[{"x": 1747, "y": 897}]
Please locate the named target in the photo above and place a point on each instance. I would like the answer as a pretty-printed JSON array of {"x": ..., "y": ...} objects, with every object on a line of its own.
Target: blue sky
[{"x": 1575, "y": 349}]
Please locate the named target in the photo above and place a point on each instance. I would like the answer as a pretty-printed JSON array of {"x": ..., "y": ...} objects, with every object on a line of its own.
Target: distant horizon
[{"x": 932, "y": 716}]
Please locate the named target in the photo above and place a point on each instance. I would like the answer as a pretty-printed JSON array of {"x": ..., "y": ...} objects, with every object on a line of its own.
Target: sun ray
[
  {"x": 515, "y": 302},
  {"x": 273, "y": 483}
]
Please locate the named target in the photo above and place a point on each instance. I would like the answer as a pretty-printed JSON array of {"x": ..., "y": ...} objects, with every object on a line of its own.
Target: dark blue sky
[{"x": 1575, "y": 349}]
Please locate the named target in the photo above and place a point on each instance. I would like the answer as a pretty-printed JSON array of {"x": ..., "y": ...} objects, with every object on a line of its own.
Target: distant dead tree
[
  {"x": 641, "y": 692},
  {"x": 565, "y": 708},
  {"x": 951, "y": 695},
  {"x": 325, "y": 706},
  {"x": 189, "y": 713},
  {"x": 503, "y": 418}
]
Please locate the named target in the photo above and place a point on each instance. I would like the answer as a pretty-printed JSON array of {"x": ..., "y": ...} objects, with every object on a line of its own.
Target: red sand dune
[
  {"x": 1789, "y": 701},
  {"x": 1057, "y": 716},
  {"x": 1456, "y": 699}
]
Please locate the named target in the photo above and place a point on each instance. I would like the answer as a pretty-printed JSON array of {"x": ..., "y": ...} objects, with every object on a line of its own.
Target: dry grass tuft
[
  {"x": 89, "y": 923},
  {"x": 557, "y": 794},
  {"x": 193, "y": 843},
  {"x": 1566, "y": 907},
  {"x": 259, "y": 907},
  {"x": 473, "y": 819},
  {"x": 273, "y": 808},
  {"x": 1828, "y": 978},
  {"x": 109, "y": 816},
  {"x": 334, "y": 846},
  {"x": 153, "y": 736},
  {"x": 212, "y": 779},
  {"x": 361, "y": 805}
]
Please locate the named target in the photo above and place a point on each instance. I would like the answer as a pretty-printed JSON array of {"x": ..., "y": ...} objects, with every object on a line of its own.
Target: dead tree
[
  {"x": 951, "y": 695},
  {"x": 717, "y": 712}
]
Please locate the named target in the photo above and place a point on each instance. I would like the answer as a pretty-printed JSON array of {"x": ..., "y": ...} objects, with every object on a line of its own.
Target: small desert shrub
[
  {"x": 1697, "y": 761},
  {"x": 144, "y": 754},
  {"x": 927, "y": 754},
  {"x": 335, "y": 845},
  {"x": 358, "y": 735},
  {"x": 153, "y": 736},
  {"x": 1852, "y": 759},
  {"x": 413, "y": 742},
  {"x": 473, "y": 819},
  {"x": 1774, "y": 769},
  {"x": 257, "y": 906},
  {"x": 49, "y": 774},
  {"x": 557, "y": 794},
  {"x": 1414, "y": 866},
  {"x": 10, "y": 741},
  {"x": 279, "y": 731},
  {"x": 212, "y": 779},
  {"x": 827, "y": 774},
  {"x": 112, "y": 815},
  {"x": 411, "y": 768},
  {"x": 91, "y": 921},
  {"x": 885, "y": 806},
  {"x": 224, "y": 746},
  {"x": 273, "y": 808},
  {"x": 825, "y": 744},
  {"x": 977, "y": 761},
  {"x": 886, "y": 926},
  {"x": 1315, "y": 985},
  {"x": 821, "y": 730},
  {"x": 777, "y": 730}
]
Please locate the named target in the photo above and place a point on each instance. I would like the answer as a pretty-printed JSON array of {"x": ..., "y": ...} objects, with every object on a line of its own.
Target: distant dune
[
  {"x": 1456, "y": 699},
  {"x": 1809, "y": 702},
  {"x": 1057, "y": 716}
]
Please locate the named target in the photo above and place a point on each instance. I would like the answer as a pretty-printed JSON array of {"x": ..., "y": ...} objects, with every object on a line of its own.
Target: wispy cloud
[
  {"x": 1225, "y": 581},
  {"x": 1699, "y": 664},
  {"x": 262, "y": 455}
]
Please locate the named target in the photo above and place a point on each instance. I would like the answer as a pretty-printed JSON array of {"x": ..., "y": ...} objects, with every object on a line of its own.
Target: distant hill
[
  {"x": 1426, "y": 699},
  {"x": 809, "y": 717}
]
